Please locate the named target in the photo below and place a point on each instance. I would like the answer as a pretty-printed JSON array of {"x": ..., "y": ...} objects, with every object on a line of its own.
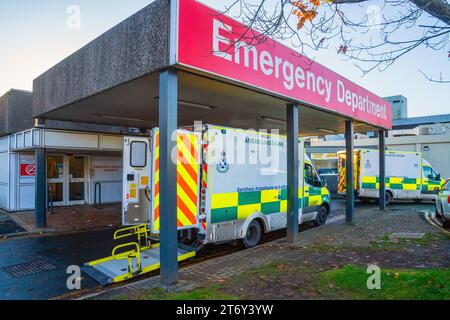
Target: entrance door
[
  {"x": 77, "y": 180},
  {"x": 66, "y": 177},
  {"x": 55, "y": 179}
]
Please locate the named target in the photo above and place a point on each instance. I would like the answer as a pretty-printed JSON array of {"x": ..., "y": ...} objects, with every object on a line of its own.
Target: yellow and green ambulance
[
  {"x": 408, "y": 175},
  {"x": 231, "y": 185}
]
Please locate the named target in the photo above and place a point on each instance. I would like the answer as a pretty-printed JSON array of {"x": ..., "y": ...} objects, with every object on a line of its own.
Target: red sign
[
  {"x": 211, "y": 42},
  {"x": 27, "y": 170}
]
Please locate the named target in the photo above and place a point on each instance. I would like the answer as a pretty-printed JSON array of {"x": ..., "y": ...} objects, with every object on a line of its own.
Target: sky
[{"x": 37, "y": 34}]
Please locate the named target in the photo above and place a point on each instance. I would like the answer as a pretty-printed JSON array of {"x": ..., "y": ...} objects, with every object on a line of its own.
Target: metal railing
[
  {"x": 98, "y": 202},
  {"x": 50, "y": 205}
]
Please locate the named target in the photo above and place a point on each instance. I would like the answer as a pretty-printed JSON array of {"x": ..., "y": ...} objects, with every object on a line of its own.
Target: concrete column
[
  {"x": 350, "y": 180},
  {"x": 382, "y": 163},
  {"x": 168, "y": 115},
  {"x": 40, "y": 202},
  {"x": 292, "y": 172}
]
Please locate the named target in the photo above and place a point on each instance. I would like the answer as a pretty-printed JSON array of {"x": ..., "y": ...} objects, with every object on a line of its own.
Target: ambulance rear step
[
  {"x": 131, "y": 259},
  {"x": 117, "y": 269}
]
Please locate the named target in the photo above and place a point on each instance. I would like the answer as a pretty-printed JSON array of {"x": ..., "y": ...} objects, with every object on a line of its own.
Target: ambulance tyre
[
  {"x": 253, "y": 235},
  {"x": 321, "y": 217},
  {"x": 388, "y": 198},
  {"x": 445, "y": 222}
]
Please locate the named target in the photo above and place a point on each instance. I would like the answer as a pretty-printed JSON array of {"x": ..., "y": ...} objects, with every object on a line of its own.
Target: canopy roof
[{"x": 115, "y": 78}]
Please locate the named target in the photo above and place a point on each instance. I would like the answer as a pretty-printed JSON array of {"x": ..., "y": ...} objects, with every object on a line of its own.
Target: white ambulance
[
  {"x": 231, "y": 185},
  {"x": 408, "y": 176}
]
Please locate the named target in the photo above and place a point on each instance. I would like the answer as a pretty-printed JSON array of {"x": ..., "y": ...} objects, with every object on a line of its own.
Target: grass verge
[{"x": 350, "y": 282}]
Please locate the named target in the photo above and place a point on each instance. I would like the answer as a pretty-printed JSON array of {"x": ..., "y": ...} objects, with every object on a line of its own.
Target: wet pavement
[
  {"x": 9, "y": 226},
  {"x": 58, "y": 251},
  {"x": 63, "y": 251}
]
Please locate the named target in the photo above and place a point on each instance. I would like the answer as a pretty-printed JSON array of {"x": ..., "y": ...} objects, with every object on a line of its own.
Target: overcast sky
[{"x": 34, "y": 36}]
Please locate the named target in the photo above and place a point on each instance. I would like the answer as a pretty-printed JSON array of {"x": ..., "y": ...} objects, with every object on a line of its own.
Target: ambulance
[
  {"x": 408, "y": 176},
  {"x": 231, "y": 185}
]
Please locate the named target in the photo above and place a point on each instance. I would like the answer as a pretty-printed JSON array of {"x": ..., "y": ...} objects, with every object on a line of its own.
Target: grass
[
  {"x": 350, "y": 282},
  {"x": 387, "y": 242}
]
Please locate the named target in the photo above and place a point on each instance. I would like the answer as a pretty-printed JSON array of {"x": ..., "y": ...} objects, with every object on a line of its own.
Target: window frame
[{"x": 131, "y": 154}]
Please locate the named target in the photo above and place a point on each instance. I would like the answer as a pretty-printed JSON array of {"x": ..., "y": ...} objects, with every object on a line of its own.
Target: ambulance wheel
[
  {"x": 253, "y": 235},
  {"x": 321, "y": 217},
  {"x": 388, "y": 198},
  {"x": 445, "y": 222}
]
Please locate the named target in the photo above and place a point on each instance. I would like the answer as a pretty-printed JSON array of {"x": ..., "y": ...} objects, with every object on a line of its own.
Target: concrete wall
[
  {"x": 16, "y": 115},
  {"x": 437, "y": 151},
  {"x": 15, "y": 112},
  {"x": 86, "y": 127},
  {"x": 134, "y": 48},
  {"x": 4, "y": 115}
]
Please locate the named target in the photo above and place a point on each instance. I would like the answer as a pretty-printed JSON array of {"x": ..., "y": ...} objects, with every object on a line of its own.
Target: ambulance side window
[
  {"x": 311, "y": 177},
  {"x": 138, "y": 154},
  {"x": 434, "y": 174},
  {"x": 447, "y": 186},
  {"x": 426, "y": 172},
  {"x": 429, "y": 173}
]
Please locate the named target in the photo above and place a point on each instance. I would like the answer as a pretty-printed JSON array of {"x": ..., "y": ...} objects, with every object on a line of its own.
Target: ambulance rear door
[
  {"x": 136, "y": 202},
  {"x": 189, "y": 150}
]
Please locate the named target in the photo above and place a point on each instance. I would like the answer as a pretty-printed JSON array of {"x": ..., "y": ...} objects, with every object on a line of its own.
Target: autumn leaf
[
  {"x": 305, "y": 11},
  {"x": 343, "y": 49}
]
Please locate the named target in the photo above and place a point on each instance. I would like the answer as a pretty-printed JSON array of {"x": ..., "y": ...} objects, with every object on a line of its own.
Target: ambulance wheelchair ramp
[{"x": 125, "y": 266}]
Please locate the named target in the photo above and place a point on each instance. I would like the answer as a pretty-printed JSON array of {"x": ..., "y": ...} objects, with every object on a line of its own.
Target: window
[
  {"x": 426, "y": 172},
  {"x": 429, "y": 173},
  {"x": 311, "y": 176},
  {"x": 138, "y": 154},
  {"x": 447, "y": 186},
  {"x": 434, "y": 174}
]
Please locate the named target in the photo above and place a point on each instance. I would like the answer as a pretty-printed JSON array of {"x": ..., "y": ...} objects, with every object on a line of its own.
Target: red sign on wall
[
  {"x": 27, "y": 170},
  {"x": 214, "y": 43}
]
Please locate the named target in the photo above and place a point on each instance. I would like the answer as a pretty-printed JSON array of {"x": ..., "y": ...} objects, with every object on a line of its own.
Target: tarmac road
[{"x": 61, "y": 251}]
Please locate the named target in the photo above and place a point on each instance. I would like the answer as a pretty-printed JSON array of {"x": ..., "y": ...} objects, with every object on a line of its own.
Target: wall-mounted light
[
  {"x": 326, "y": 130},
  {"x": 275, "y": 120},
  {"x": 192, "y": 104},
  {"x": 107, "y": 116},
  {"x": 195, "y": 105}
]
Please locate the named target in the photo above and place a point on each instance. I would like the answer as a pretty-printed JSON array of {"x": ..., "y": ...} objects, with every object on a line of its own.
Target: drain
[{"x": 29, "y": 268}]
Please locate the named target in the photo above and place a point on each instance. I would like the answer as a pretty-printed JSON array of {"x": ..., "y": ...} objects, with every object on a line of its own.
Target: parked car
[{"x": 443, "y": 204}]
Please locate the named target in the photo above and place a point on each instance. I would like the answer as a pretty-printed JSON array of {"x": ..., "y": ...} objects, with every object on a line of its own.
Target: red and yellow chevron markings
[
  {"x": 342, "y": 176},
  {"x": 187, "y": 180}
]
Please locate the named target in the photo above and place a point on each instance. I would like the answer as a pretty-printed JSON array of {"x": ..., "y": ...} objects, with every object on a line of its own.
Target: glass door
[
  {"x": 66, "y": 178},
  {"x": 76, "y": 180},
  {"x": 55, "y": 179}
]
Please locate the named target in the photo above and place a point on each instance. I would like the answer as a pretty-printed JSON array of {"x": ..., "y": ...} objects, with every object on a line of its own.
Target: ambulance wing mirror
[{"x": 438, "y": 177}]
